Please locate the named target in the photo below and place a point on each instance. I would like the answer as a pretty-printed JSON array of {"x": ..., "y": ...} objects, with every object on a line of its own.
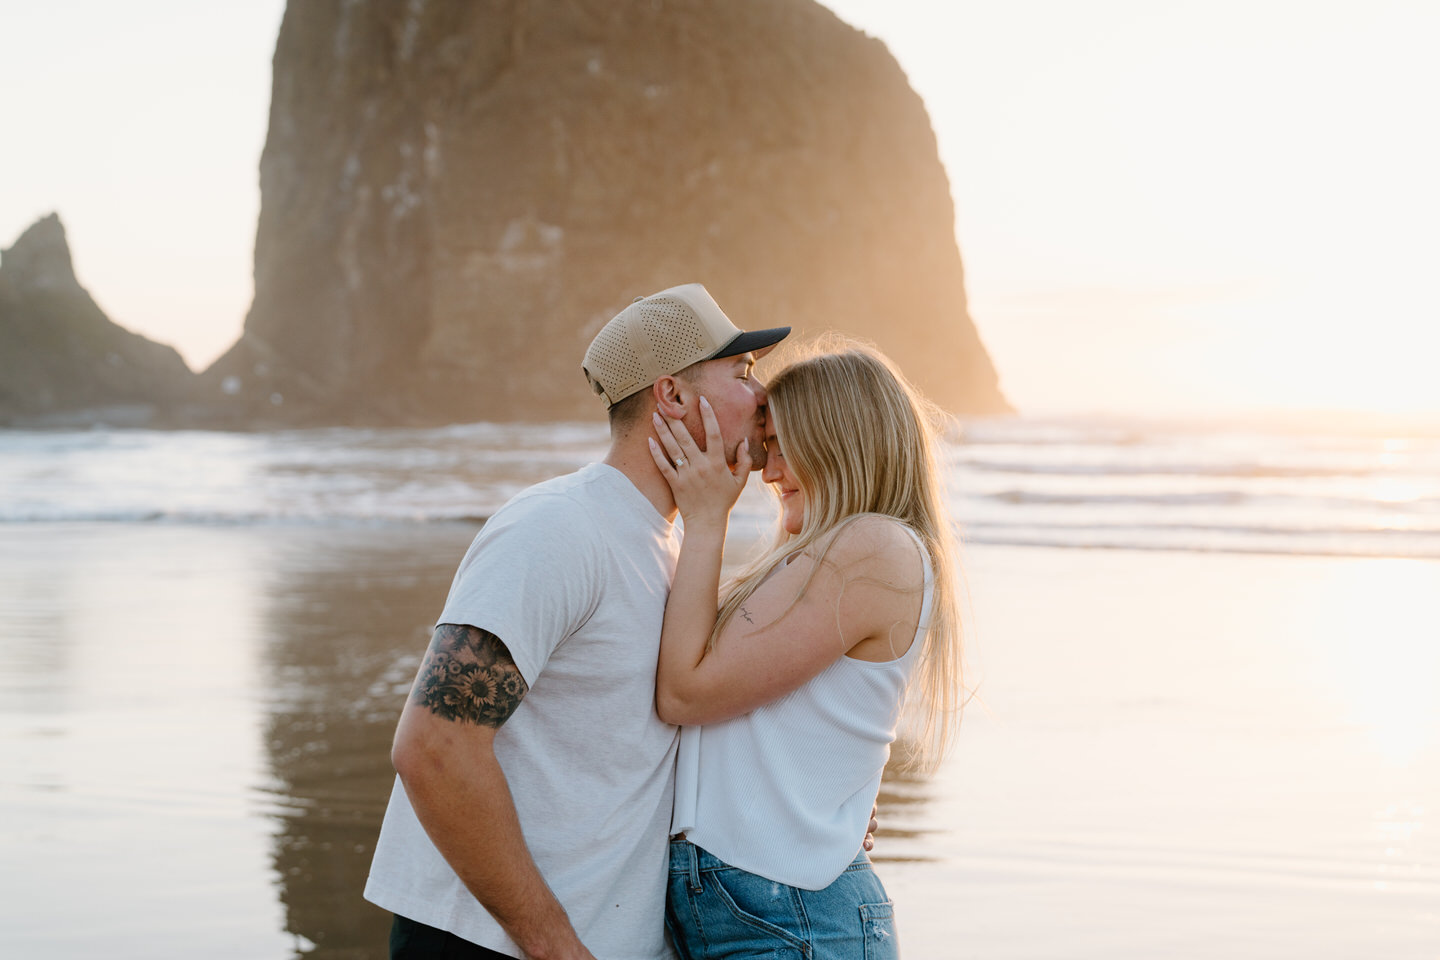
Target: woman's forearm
[{"x": 689, "y": 618}]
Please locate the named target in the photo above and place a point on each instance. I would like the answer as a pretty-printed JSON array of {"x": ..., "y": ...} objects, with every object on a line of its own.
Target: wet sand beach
[{"x": 1173, "y": 754}]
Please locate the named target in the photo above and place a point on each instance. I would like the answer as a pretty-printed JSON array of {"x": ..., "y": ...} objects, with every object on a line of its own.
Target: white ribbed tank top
[{"x": 785, "y": 790}]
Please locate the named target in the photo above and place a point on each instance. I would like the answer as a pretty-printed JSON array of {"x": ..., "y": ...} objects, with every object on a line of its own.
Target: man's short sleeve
[{"x": 531, "y": 577}]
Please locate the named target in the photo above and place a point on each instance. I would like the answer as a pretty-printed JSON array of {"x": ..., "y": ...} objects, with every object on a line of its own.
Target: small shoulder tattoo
[
  {"x": 746, "y": 614},
  {"x": 469, "y": 676}
]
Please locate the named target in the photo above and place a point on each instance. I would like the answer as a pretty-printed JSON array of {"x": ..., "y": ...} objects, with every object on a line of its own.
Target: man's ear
[{"x": 673, "y": 397}]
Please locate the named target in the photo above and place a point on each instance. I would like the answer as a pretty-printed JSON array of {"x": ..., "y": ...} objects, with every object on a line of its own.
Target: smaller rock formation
[{"x": 61, "y": 359}]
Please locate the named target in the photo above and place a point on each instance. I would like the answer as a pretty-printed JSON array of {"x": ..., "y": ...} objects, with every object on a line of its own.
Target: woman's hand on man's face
[{"x": 704, "y": 485}]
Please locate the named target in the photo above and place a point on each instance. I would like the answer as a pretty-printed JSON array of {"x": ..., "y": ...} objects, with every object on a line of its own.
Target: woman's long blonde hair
[{"x": 862, "y": 441}]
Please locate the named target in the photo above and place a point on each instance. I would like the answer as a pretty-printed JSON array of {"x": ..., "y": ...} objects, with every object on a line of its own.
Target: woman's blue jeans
[{"x": 714, "y": 910}]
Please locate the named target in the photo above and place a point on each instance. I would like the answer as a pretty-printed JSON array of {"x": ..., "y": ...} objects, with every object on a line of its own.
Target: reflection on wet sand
[
  {"x": 904, "y": 796},
  {"x": 346, "y": 626},
  {"x": 346, "y": 623},
  {"x": 1170, "y": 761}
]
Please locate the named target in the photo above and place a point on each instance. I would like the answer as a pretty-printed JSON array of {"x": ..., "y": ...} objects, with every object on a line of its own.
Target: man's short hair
[{"x": 624, "y": 414}]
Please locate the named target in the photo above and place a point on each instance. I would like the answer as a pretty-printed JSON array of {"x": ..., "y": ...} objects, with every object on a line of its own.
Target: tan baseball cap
[{"x": 662, "y": 334}]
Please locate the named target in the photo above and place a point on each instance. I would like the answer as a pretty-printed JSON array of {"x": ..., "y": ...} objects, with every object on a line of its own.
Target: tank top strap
[{"x": 926, "y": 598}]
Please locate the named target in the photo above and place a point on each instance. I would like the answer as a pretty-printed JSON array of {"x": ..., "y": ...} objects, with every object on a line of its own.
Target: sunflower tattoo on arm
[{"x": 468, "y": 676}]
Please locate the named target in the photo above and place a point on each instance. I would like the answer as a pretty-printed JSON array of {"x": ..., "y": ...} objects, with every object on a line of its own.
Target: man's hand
[{"x": 869, "y": 843}]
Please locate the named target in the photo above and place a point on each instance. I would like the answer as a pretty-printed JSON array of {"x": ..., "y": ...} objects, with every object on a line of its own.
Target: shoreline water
[
  {"x": 1173, "y": 754},
  {"x": 1018, "y": 482}
]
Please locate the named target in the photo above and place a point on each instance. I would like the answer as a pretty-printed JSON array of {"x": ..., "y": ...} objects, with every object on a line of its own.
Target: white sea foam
[{"x": 1016, "y": 481}]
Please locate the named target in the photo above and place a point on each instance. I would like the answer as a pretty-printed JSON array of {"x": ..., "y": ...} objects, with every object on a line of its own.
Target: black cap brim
[{"x": 751, "y": 341}]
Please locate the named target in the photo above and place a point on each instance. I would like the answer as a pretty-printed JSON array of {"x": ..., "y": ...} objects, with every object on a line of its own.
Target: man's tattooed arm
[
  {"x": 468, "y": 676},
  {"x": 458, "y": 790}
]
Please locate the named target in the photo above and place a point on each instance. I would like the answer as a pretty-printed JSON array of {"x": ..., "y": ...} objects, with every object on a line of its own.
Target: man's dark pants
[{"x": 415, "y": 941}]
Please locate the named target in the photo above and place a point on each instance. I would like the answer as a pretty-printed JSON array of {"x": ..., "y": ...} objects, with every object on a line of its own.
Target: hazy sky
[{"x": 1163, "y": 205}]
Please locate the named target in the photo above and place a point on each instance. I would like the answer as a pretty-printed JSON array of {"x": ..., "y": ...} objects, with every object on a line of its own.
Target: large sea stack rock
[
  {"x": 61, "y": 359},
  {"x": 457, "y": 194}
]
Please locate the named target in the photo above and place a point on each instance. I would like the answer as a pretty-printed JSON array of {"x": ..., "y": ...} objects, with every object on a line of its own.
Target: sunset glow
[
  {"x": 1190, "y": 206},
  {"x": 1197, "y": 572},
  {"x": 1163, "y": 208},
  {"x": 1384, "y": 660}
]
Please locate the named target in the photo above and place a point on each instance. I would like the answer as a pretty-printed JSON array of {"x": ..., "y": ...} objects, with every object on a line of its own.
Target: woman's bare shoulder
[{"x": 877, "y": 545}]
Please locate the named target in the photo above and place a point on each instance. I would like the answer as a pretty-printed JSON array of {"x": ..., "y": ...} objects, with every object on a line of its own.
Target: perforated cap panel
[
  {"x": 675, "y": 334},
  {"x": 653, "y": 337},
  {"x": 611, "y": 363}
]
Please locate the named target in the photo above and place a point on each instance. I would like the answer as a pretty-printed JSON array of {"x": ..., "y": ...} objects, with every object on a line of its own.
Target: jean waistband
[{"x": 685, "y": 856}]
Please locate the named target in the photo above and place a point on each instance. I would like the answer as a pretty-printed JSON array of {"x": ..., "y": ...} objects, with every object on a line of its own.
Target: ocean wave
[
  {"x": 1213, "y": 538},
  {"x": 1221, "y": 498},
  {"x": 1182, "y": 536},
  {"x": 1249, "y": 471},
  {"x": 238, "y": 518},
  {"x": 1292, "y": 502},
  {"x": 1023, "y": 482}
]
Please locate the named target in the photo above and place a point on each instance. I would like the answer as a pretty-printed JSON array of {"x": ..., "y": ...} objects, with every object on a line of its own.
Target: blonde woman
[{"x": 791, "y": 695}]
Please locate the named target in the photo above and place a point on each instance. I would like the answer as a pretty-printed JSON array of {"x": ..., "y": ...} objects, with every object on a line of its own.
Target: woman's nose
[{"x": 771, "y": 473}]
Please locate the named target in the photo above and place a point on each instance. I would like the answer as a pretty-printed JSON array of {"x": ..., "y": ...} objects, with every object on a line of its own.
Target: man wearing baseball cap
[{"x": 532, "y": 806}]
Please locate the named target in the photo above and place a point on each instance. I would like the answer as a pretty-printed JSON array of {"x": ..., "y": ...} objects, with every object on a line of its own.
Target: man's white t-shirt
[{"x": 572, "y": 575}]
